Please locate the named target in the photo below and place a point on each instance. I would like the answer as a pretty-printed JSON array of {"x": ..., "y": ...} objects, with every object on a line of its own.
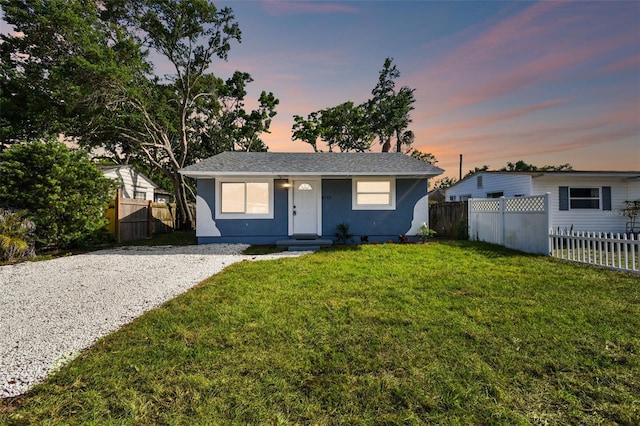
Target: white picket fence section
[
  {"x": 519, "y": 223},
  {"x": 620, "y": 252}
]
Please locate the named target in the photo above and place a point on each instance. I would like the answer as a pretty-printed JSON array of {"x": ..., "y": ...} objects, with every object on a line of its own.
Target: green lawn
[{"x": 452, "y": 333}]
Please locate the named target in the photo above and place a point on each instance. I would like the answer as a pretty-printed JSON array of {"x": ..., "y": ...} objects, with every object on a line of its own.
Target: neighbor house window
[
  {"x": 139, "y": 195},
  {"x": 584, "y": 198},
  {"x": 497, "y": 194},
  {"x": 244, "y": 199},
  {"x": 374, "y": 194}
]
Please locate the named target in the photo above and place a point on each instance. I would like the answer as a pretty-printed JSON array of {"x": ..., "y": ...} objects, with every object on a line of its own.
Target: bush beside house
[{"x": 64, "y": 193}]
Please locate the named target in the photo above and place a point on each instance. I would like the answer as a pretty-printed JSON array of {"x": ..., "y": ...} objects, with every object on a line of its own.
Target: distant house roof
[
  {"x": 308, "y": 164},
  {"x": 568, "y": 173},
  {"x": 116, "y": 172}
]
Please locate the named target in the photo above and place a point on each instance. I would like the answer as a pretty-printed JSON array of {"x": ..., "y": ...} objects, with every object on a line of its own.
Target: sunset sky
[{"x": 548, "y": 82}]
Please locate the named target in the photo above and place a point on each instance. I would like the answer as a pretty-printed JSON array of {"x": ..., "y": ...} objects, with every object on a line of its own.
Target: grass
[{"x": 451, "y": 333}]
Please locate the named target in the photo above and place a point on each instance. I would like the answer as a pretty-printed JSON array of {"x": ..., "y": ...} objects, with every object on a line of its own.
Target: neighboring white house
[
  {"x": 582, "y": 200},
  {"x": 134, "y": 184}
]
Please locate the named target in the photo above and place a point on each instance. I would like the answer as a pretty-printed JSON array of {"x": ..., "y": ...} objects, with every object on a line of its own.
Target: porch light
[{"x": 286, "y": 185}]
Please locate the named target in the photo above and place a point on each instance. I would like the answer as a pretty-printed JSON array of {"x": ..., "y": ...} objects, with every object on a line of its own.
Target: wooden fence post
[
  {"x": 149, "y": 219},
  {"x": 117, "y": 214}
]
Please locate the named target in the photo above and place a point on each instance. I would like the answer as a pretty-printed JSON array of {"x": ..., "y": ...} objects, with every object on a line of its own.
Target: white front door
[{"x": 305, "y": 206}]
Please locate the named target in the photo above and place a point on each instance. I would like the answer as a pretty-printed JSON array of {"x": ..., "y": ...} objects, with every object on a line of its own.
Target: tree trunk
[
  {"x": 387, "y": 145},
  {"x": 184, "y": 217}
]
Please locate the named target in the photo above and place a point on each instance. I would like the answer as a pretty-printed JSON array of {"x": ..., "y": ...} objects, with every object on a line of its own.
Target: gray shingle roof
[{"x": 314, "y": 163}]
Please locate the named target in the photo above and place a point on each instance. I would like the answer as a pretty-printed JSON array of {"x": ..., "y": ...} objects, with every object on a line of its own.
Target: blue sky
[{"x": 548, "y": 82}]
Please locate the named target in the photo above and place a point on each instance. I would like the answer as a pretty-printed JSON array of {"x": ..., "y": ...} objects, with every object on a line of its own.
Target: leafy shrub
[
  {"x": 16, "y": 235},
  {"x": 425, "y": 233},
  {"x": 342, "y": 234},
  {"x": 63, "y": 191}
]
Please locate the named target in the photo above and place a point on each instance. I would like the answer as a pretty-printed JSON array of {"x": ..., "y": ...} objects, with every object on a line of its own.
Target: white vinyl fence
[
  {"x": 612, "y": 251},
  {"x": 523, "y": 223},
  {"x": 519, "y": 223}
]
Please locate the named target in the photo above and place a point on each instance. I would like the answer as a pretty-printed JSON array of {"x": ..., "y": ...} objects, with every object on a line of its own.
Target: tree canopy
[
  {"x": 351, "y": 127},
  {"x": 344, "y": 127},
  {"x": 390, "y": 110},
  {"x": 522, "y": 166},
  {"x": 89, "y": 70}
]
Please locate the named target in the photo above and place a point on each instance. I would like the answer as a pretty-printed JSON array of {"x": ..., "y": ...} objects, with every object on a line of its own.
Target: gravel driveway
[{"x": 51, "y": 310}]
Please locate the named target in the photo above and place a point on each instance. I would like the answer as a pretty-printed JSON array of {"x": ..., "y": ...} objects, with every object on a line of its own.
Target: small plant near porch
[
  {"x": 425, "y": 233},
  {"x": 342, "y": 233}
]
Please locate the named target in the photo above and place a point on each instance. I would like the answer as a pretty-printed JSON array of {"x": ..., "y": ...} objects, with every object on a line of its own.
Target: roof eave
[{"x": 207, "y": 174}]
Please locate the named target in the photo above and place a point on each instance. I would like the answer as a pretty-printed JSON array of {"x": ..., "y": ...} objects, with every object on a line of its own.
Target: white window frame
[
  {"x": 598, "y": 198},
  {"x": 139, "y": 195},
  {"x": 220, "y": 215},
  {"x": 392, "y": 194}
]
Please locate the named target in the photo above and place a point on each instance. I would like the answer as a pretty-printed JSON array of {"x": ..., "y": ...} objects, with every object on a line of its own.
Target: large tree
[
  {"x": 350, "y": 127},
  {"x": 390, "y": 110},
  {"x": 344, "y": 127},
  {"x": 98, "y": 64}
]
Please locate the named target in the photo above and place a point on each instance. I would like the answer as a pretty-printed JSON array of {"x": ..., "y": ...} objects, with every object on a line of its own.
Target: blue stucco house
[{"x": 266, "y": 197}]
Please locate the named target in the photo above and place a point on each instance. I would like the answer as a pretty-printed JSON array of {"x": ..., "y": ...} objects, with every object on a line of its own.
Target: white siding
[
  {"x": 131, "y": 180},
  {"x": 511, "y": 185},
  {"x": 587, "y": 219}
]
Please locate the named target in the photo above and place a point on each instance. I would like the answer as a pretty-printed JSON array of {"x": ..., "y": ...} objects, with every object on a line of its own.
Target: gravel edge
[{"x": 51, "y": 310}]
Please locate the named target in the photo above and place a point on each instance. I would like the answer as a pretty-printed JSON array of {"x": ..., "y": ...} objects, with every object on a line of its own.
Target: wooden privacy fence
[
  {"x": 137, "y": 219},
  {"x": 449, "y": 220},
  {"x": 613, "y": 251}
]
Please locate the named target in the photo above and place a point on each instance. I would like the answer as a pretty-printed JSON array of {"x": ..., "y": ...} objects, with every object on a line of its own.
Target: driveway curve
[{"x": 51, "y": 310}]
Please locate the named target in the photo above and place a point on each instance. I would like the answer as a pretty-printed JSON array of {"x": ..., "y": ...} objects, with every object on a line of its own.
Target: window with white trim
[
  {"x": 244, "y": 199},
  {"x": 374, "y": 194},
  {"x": 584, "y": 198}
]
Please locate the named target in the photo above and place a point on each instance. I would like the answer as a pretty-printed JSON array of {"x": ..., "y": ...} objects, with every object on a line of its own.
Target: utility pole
[{"x": 460, "y": 173}]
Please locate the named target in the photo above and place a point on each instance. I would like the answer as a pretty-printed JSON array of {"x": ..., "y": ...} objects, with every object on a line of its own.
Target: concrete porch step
[
  {"x": 304, "y": 240},
  {"x": 304, "y": 237},
  {"x": 303, "y": 248}
]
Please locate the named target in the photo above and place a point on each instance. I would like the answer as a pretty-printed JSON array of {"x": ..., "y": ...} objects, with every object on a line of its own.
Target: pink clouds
[
  {"x": 549, "y": 80},
  {"x": 624, "y": 64},
  {"x": 538, "y": 45},
  {"x": 488, "y": 92}
]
